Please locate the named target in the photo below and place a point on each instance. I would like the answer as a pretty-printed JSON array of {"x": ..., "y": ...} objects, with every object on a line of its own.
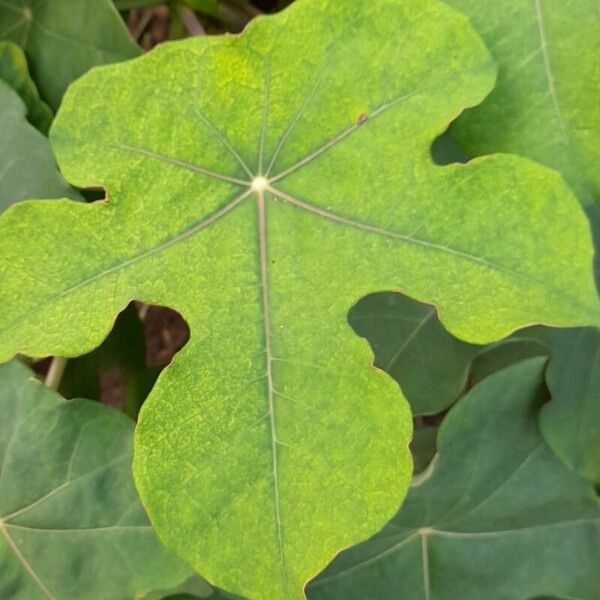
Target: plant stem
[
  {"x": 191, "y": 22},
  {"x": 55, "y": 372}
]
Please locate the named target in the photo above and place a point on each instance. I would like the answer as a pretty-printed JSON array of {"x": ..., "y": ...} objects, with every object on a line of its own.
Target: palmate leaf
[
  {"x": 545, "y": 104},
  {"x": 496, "y": 515},
  {"x": 71, "y": 523},
  {"x": 257, "y": 185},
  {"x": 27, "y": 164},
  {"x": 63, "y": 39}
]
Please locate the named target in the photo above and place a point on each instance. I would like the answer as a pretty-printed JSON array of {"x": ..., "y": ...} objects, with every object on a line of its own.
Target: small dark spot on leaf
[{"x": 362, "y": 119}]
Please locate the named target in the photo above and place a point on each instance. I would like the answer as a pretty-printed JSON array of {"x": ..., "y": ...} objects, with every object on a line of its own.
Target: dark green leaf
[
  {"x": 64, "y": 38},
  {"x": 27, "y": 165},
  {"x": 571, "y": 421},
  {"x": 411, "y": 345},
  {"x": 71, "y": 524},
  {"x": 545, "y": 104}
]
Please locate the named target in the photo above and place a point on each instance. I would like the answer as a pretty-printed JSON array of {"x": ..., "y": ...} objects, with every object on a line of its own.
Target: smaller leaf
[
  {"x": 15, "y": 72},
  {"x": 129, "y": 4},
  {"x": 545, "y": 103},
  {"x": 193, "y": 588},
  {"x": 63, "y": 39},
  {"x": 27, "y": 165},
  {"x": 209, "y": 7},
  {"x": 410, "y": 344},
  {"x": 524, "y": 344},
  {"x": 571, "y": 421},
  {"x": 71, "y": 523}
]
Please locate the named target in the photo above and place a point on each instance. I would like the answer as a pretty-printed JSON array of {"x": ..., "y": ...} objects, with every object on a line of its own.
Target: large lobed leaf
[
  {"x": 496, "y": 516},
  {"x": 257, "y": 185},
  {"x": 71, "y": 523}
]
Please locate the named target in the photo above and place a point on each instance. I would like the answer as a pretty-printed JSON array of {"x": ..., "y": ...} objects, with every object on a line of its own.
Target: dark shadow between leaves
[
  {"x": 123, "y": 369},
  {"x": 445, "y": 150}
]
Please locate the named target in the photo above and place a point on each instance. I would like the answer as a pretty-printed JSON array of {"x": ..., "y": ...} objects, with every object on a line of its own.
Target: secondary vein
[
  {"x": 265, "y": 117},
  {"x": 336, "y": 218},
  {"x": 548, "y": 69},
  {"x": 299, "y": 114},
  {"x": 179, "y": 163},
  {"x": 349, "y": 131},
  {"x": 225, "y": 143}
]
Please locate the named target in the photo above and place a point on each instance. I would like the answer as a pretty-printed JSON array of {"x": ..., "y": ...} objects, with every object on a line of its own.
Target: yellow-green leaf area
[{"x": 260, "y": 185}]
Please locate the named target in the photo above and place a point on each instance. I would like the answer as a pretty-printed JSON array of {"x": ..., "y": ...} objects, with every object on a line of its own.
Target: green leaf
[
  {"x": 260, "y": 196},
  {"x": 27, "y": 164},
  {"x": 524, "y": 344},
  {"x": 496, "y": 515},
  {"x": 545, "y": 105},
  {"x": 191, "y": 589},
  {"x": 72, "y": 525},
  {"x": 63, "y": 39},
  {"x": 422, "y": 447},
  {"x": 571, "y": 421},
  {"x": 411, "y": 345},
  {"x": 15, "y": 72}
]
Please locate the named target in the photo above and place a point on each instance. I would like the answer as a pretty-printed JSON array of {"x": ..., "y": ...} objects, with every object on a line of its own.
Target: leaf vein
[
  {"x": 21, "y": 558},
  {"x": 179, "y": 163},
  {"x": 336, "y": 218}
]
